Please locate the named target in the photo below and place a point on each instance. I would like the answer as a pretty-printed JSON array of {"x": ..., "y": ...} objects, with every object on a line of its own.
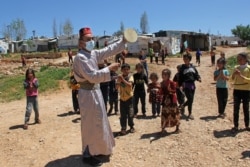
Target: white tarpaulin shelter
[
  {"x": 65, "y": 42},
  {"x": 172, "y": 44},
  {"x": 4, "y": 47},
  {"x": 140, "y": 44}
]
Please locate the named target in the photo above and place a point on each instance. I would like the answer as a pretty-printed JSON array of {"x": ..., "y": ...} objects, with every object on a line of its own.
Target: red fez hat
[{"x": 86, "y": 31}]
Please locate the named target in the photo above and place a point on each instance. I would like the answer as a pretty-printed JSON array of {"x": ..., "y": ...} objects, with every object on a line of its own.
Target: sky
[{"x": 105, "y": 16}]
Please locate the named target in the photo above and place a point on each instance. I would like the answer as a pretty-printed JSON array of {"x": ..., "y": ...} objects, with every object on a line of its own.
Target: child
[
  {"x": 155, "y": 97},
  {"x": 120, "y": 58},
  {"x": 31, "y": 85},
  {"x": 156, "y": 57},
  {"x": 75, "y": 87},
  {"x": 170, "y": 116},
  {"x": 188, "y": 75},
  {"x": 151, "y": 53},
  {"x": 113, "y": 93},
  {"x": 139, "y": 89},
  {"x": 70, "y": 55},
  {"x": 23, "y": 60},
  {"x": 163, "y": 56},
  {"x": 143, "y": 59},
  {"x": 198, "y": 56},
  {"x": 222, "y": 55},
  {"x": 221, "y": 76},
  {"x": 125, "y": 86},
  {"x": 180, "y": 94},
  {"x": 212, "y": 54},
  {"x": 241, "y": 92}
]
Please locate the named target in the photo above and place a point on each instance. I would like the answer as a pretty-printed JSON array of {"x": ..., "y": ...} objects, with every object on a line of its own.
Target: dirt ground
[{"x": 204, "y": 141}]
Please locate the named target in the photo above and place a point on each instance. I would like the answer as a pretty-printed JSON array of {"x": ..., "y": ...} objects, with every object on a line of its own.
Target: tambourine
[{"x": 130, "y": 35}]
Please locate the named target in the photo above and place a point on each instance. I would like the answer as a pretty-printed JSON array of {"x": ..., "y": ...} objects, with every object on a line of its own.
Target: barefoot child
[
  {"x": 155, "y": 97},
  {"x": 31, "y": 85},
  {"x": 221, "y": 76},
  {"x": 170, "y": 116},
  {"x": 125, "y": 87}
]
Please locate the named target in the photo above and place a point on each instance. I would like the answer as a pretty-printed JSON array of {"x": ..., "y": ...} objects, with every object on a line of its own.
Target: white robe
[{"x": 95, "y": 127}]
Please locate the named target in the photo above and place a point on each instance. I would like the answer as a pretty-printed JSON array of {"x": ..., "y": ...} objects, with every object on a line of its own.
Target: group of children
[
  {"x": 156, "y": 54},
  {"x": 162, "y": 95},
  {"x": 240, "y": 80},
  {"x": 166, "y": 97}
]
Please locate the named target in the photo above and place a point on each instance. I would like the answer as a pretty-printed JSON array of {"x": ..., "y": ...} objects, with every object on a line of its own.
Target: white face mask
[{"x": 90, "y": 45}]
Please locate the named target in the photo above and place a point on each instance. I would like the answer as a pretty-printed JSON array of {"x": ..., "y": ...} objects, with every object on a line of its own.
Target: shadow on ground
[
  {"x": 145, "y": 117},
  {"x": 77, "y": 120},
  {"x": 226, "y": 133},
  {"x": 245, "y": 154},
  {"x": 66, "y": 114},
  {"x": 74, "y": 161},
  {"x": 14, "y": 127},
  {"x": 209, "y": 118},
  {"x": 156, "y": 135}
]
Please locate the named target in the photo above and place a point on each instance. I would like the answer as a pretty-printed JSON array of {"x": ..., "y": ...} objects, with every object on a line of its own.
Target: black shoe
[{"x": 92, "y": 161}]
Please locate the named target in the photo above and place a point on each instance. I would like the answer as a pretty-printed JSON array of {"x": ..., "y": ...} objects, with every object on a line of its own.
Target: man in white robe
[{"x": 97, "y": 136}]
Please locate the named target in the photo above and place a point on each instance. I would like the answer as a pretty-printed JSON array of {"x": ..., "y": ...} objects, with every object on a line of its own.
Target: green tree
[
  {"x": 18, "y": 29},
  {"x": 144, "y": 23},
  {"x": 68, "y": 28},
  {"x": 6, "y": 33},
  {"x": 243, "y": 32}
]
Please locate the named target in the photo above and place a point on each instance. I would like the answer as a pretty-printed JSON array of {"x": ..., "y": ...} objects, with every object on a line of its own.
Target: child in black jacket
[
  {"x": 188, "y": 75},
  {"x": 140, "y": 79}
]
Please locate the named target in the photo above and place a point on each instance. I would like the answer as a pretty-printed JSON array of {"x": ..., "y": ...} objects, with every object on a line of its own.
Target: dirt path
[{"x": 205, "y": 141}]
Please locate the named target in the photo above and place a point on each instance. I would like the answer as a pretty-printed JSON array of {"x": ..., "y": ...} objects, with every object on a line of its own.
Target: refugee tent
[
  {"x": 65, "y": 42},
  {"x": 4, "y": 47},
  {"x": 140, "y": 44},
  {"x": 171, "y": 44}
]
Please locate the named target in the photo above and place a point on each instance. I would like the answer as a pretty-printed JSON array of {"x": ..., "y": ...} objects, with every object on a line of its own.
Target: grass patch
[
  {"x": 11, "y": 88},
  {"x": 231, "y": 62}
]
